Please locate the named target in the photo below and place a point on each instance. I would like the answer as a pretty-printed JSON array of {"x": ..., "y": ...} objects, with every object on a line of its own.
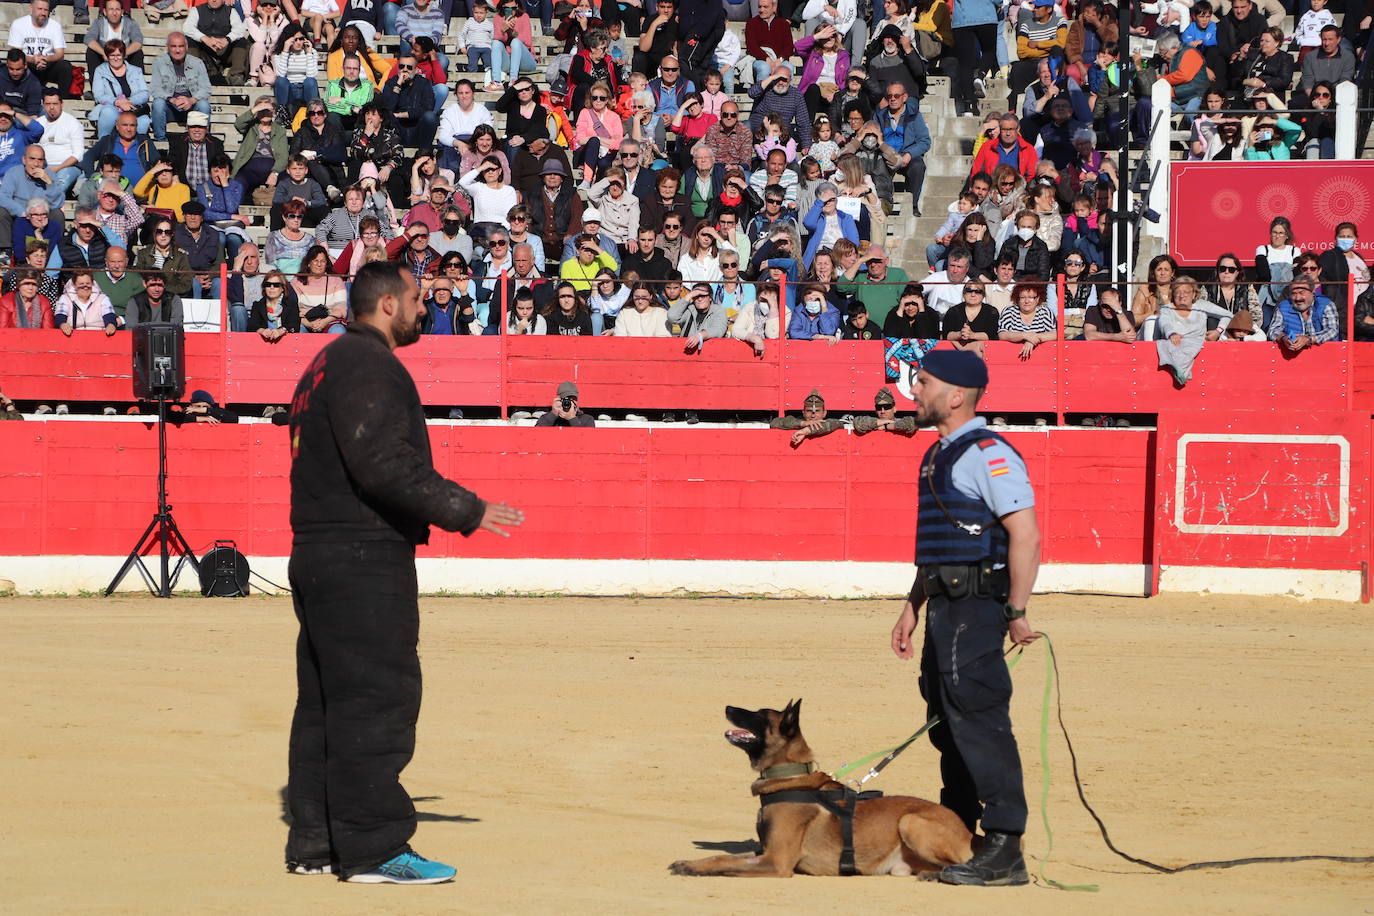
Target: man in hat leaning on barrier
[
  {"x": 977, "y": 555},
  {"x": 813, "y": 422},
  {"x": 885, "y": 417}
]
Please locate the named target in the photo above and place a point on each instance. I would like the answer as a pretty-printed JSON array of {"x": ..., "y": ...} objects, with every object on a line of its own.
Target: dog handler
[
  {"x": 977, "y": 555},
  {"x": 364, "y": 492}
]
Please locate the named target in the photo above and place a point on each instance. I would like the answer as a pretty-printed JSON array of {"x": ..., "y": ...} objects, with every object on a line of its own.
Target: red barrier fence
[
  {"x": 87, "y": 488},
  {"x": 634, "y": 373},
  {"x": 1210, "y": 490}
]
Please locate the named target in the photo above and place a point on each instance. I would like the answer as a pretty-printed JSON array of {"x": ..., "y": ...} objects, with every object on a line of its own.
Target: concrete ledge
[{"x": 74, "y": 575}]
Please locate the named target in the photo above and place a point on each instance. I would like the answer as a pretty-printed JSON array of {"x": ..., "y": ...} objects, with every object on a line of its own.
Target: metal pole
[
  {"x": 1121, "y": 224},
  {"x": 163, "y": 535}
]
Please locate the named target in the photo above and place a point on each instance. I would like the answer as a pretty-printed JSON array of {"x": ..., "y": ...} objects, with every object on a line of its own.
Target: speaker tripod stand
[{"x": 162, "y": 530}]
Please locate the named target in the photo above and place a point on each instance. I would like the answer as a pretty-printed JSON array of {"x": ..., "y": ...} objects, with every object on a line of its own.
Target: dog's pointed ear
[{"x": 790, "y": 724}]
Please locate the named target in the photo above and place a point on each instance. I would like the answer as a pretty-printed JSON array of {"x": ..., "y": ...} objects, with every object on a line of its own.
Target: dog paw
[{"x": 681, "y": 867}]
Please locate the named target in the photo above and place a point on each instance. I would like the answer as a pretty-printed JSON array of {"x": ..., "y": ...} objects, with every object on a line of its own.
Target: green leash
[
  {"x": 1051, "y": 680},
  {"x": 890, "y": 754}
]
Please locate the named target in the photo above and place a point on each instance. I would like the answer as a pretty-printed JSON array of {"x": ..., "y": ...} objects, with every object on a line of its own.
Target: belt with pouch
[{"x": 979, "y": 580}]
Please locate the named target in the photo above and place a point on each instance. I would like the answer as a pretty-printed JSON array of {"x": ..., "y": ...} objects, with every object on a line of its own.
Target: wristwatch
[{"x": 1012, "y": 612}]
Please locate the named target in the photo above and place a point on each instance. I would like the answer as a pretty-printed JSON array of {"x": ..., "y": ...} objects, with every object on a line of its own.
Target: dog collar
[{"x": 784, "y": 770}]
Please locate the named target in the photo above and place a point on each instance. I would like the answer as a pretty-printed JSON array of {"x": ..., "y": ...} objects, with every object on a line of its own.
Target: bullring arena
[{"x": 571, "y": 748}]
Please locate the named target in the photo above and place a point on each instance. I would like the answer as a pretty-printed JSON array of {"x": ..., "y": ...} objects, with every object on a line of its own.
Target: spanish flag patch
[{"x": 997, "y": 467}]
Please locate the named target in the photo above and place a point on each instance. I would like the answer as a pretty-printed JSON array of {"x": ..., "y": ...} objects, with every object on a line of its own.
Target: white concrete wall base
[
  {"x": 1328, "y": 584},
  {"x": 52, "y": 575}
]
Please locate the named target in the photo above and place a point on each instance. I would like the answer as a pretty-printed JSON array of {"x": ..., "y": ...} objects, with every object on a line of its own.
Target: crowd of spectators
[{"x": 627, "y": 193}]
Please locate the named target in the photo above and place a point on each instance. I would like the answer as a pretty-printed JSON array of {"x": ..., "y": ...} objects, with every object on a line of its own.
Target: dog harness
[{"x": 840, "y": 802}]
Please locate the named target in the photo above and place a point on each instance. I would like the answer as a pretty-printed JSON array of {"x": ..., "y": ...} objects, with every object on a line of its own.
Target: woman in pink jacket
[{"x": 825, "y": 68}]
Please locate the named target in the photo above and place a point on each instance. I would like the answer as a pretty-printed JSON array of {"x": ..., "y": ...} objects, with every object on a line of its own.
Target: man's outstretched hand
[{"x": 499, "y": 516}]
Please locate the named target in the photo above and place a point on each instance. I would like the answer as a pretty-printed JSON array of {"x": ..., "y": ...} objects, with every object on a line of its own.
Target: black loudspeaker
[
  {"x": 224, "y": 572},
  {"x": 159, "y": 362}
]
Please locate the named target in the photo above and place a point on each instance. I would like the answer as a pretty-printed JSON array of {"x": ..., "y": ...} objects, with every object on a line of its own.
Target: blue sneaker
[{"x": 407, "y": 868}]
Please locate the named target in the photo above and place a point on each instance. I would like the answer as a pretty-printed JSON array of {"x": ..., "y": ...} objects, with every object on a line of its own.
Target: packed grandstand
[{"x": 705, "y": 169}]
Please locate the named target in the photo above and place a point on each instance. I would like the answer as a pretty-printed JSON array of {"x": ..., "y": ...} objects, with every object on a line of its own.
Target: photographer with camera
[{"x": 566, "y": 411}]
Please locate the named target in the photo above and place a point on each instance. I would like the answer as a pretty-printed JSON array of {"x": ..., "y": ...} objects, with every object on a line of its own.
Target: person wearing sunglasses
[
  {"x": 162, "y": 254},
  {"x": 593, "y": 68},
  {"x": 1231, "y": 292},
  {"x": 598, "y": 133},
  {"x": 276, "y": 313},
  {"x": 85, "y": 244},
  {"x": 1318, "y": 126},
  {"x": 409, "y": 96}
]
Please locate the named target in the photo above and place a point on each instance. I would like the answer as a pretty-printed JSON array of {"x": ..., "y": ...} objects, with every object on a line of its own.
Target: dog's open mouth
[{"x": 740, "y": 737}]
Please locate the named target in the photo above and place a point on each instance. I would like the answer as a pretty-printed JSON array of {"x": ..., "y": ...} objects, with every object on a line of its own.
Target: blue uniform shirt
[{"x": 995, "y": 474}]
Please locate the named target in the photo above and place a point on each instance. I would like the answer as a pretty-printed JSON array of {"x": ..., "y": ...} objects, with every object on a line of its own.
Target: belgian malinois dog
[{"x": 893, "y": 835}]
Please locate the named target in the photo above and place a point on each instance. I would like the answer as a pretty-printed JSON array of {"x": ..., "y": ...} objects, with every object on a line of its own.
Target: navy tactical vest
[{"x": 939, "y": 541}]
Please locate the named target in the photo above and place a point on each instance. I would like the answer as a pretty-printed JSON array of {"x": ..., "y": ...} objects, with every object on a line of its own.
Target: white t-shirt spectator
[
  {"x": 36, "y": 42},
  {"x": 63, "y": 139},
  {"x": 455, "y": 122},
  {"x": 942, "y": 295}
]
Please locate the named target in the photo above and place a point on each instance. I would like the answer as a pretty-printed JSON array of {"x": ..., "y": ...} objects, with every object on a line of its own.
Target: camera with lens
[{"x": 568, "y": 403}]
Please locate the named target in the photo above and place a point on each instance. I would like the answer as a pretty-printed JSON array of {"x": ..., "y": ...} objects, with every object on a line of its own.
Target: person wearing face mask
[
  {"x": 878, "y": 159},
  {"x": 1026, "y": 249},
  {"x": 450, "y": 235},
  {"x": 1341, "y": 266},
  {"x": 816, "y": 319},
  {"x": 759, "y": 320}
]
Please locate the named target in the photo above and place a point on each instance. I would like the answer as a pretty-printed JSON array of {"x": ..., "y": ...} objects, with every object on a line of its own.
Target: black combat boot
[{"x": 997, "y": 864}]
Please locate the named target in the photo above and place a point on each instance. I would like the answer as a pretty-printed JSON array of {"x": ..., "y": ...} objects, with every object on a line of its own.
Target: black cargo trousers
[
  {"x": 358, "y": 698},
  {"x": 965, "y": 682}
]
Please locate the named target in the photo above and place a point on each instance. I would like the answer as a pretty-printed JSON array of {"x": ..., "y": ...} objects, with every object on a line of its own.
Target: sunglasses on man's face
[
  {"x": 1228, "y": 269},
  {"x": 406, "y": 67},
  {"x": 669, "y": 69},
  {"x": 1321, "y": 95}
]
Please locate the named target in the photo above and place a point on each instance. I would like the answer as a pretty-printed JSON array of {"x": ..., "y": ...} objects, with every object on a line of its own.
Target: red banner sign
[{"x": 1216, "y": 207}]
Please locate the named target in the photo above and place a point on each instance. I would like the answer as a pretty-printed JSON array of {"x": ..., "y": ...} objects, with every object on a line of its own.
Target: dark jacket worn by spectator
[
  {"x": 203, "y": 252},
  {"x": 178, "y": 146},
  {"x": 1037, "y": 260},
  {"x": 290, "y": 318},
  {"x": 924, "y": 325},
  {"x": 141, "y": 311},
  {"x": 363, "y": 470},
  {"x": 92, "y": 256},
  {"x": 25, "y": 94},
  {"x": 554, "y": 220},
  {"x": 527, "y": 172},
  {"x": 331, "y": 151},
  {"x": 412, "y": 108}
]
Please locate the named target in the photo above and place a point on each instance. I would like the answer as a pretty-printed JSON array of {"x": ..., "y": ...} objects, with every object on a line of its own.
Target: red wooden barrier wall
[
  {"x": 1059, "y": 378},
  {"x": 1245, "y": 490},
  {"x": 87, "y": 488}
]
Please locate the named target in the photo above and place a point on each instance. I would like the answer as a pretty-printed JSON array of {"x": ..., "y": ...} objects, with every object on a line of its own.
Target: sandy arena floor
[{"x": 570, "y": 749}]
